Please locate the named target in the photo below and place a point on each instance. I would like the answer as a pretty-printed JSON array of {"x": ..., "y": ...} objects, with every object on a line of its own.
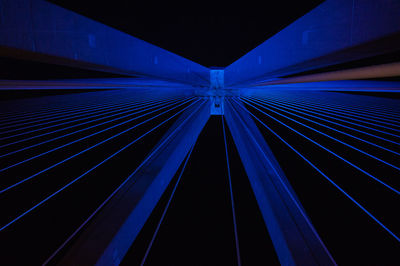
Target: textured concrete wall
[
  {"x": 39, "y": 30},
  {"x": 336, "y": 31}
]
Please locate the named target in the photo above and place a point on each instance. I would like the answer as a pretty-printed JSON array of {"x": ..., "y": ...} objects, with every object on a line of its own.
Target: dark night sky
[{"x": 210, "y": 33}]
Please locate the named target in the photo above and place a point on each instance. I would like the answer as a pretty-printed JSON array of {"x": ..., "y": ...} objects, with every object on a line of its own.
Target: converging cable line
[
  {"x": 94, "y": 167},
  {"x": 101, "y": 99},
  {"x": 90, "y": 135},
  {"x": 342, "y": 125},
  {"x": 84, "y": 117},
  {"x": 65, "y": 111},
  {"x": 59, "y": 117},
  {"x": 49, "y": 113},
  {"x": 346, "y": 115},
  {"x": 353, "y": 119},
  {"x": 328, "y": 150},
  {"x": 123, "y": 183},
  {"x": 316, "y": 103},
  {"x": 231, "y": 195},
  {"x": 339, "y": 102},
  {"x": 326, "y": 135},
  {"x": 323, "y": 175},
  {"x": 166, "y": 207},
  {"x": 289, "y": 193},
  {"x": 91, "y": 147},
  {"x": 292, "y": 110},
  {"x": 145, "y": 107}
]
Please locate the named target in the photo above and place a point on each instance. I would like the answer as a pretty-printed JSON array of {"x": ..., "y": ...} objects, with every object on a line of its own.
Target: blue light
[
  {"x": 91, "y": 147},
  {"x": 346, "y": 144},
  {"x": 61, "y": 129},
  {"x": 94, "y": 167},
  {"x": 328, "y": 150},
  {"x": 327, "y": 178}
]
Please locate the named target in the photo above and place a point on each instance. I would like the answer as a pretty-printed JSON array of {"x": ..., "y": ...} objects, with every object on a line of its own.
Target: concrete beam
[
  {"x": 39, "y": 30},
  {"x": 109, "y": 235},
  {"x": 295, "y": 240},
  {"x": 336, "y": 31}
]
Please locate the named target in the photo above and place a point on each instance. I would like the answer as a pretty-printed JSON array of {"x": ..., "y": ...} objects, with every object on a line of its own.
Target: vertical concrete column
[{"x": 217, "y": 91}]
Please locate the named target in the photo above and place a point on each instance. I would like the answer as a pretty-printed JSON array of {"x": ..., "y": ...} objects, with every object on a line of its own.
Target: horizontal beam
[
  {"x": 336, "y": 85},
  {"x": 39, "y": 30},
  {"x": 99, "y": 83},
  {"x": 336, "y": 31},
  {"x": 368, "y": 72}
]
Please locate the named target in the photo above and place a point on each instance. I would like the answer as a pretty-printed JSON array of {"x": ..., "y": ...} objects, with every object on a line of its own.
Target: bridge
[{"x": 290, "y": 155}]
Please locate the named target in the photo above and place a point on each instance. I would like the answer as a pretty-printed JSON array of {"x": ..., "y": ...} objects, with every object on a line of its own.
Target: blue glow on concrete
[
  {"x": 155, "y": 172},
  {"x": 327, "y": 178},
  {"x": 294, "y": 238},
  {"x": 65, "y": 37},
  {"x": 166, "y": 207},
  {"x": 181, "y": 151},
  {"x": 319, "y": 38},
  {"x": 339, "y": 85},
  {"x": 216, "y": 91},
  {"x": 313, "y": 41}
]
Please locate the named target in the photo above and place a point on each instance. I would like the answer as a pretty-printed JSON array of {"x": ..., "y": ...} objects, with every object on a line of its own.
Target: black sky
[{"x": 210, "y": 33}]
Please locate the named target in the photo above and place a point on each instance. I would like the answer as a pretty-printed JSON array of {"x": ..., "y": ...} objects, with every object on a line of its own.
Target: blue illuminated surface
[
  {"x": 330, "y": 180},
  {"x": 169, "y": 85}
]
